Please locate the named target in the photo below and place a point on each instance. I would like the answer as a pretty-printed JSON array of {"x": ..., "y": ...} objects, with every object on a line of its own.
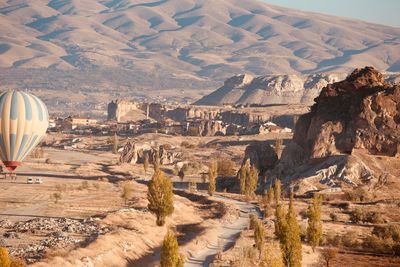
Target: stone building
[{"x": 120, "y": 110}]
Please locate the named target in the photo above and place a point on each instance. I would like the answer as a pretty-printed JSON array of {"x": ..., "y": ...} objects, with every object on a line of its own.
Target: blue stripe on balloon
[
  {"x": 28, "y": 107},
  {"x": 13, "y": 138},
  {"x": 22, "y": 146},
  {"x": 2, "y": 99},
  {"x": 39, "y": 107},
  {"x": 14, "y": 106},
  {"x": 2, "y": 147}
]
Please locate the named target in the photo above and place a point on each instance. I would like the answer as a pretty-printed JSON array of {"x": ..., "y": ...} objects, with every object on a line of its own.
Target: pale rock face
[{"x": 270, "y": 89}]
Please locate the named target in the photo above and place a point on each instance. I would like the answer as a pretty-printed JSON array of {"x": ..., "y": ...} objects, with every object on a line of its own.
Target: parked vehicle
[
  {"x": 39, "y": 181},
  {"x": 29, "y": 180}
]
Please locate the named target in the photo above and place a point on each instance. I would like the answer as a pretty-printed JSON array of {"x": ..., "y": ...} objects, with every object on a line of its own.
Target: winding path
[{"x": 229, "y": 232}]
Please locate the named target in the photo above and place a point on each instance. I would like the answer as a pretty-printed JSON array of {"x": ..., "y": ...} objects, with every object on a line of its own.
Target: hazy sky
[{"x": 379, "y": 11}]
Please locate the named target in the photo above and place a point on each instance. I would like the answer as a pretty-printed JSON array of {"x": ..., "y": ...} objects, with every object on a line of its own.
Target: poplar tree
[
  {"x": 145, "y": 162},
  {"x": 270, "y": 194},
  {"x": 115, "y": 144},
  {"x": 248, "y": 178},
  {"x": 278, "y": 147},
  {"x": 212, "y": 176},
  {"x": 277, "y": 191},
  {"x": 280, "y": 222},
  {"x": 156, "y": 161},
  {"x": 170, "y": 252},
  {"x": 160, "y": 197},
  {"x": 259, "y": 235},
  {"x": 314, "y": 229},
  {"x": 290, "y": 239}
]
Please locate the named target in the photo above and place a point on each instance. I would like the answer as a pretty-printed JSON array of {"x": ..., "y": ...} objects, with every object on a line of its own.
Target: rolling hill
[{"x": 170, "y": 44}]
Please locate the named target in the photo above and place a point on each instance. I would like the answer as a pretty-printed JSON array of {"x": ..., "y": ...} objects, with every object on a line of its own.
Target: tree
[
  {"x": 265, "y": 205},
  {"x": 160, "y": 197},
  {"x": 277, "y": 191},
  {"x": 127, "y": 192},
  {"x": 181, "y": 174},
  {"x": 290, "y": 240},
  {"x": 4, "y": 257},
  {"x": 56, "y": 196},
  {"x": 280, "y": 221},
  {"x": 259, "y": 235},
  {"x": 253, "y": 220},
  {"x": 270, "y": 194},
  {"x": 278, "y": 147},
  {"x": 212, "y": 177},
  {"x": 314, "y": 229},
  {"x": 170, "y": 252},
  {"x": 156, "y": 161},
  {"x": 226, "y": 167},
  {"x": 248, "y": 177},
  {"x": 263, "y": 184},
  {"x": 115, "y": 144},
  {"x": 328, "y": 254},
  {"x": 145, "y": 162}
]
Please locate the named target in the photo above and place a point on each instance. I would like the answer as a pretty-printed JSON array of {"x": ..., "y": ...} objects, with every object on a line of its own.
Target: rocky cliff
[
  {"x": 274, "y": 89},
  {"x": 350, "y": 137},
  {"x": 361, "y": 112}
]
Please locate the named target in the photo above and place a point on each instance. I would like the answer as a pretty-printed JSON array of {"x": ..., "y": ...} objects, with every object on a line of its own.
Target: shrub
[
  {"x": 61, "y": 187},
  {"x": 332, "y": 240},
  {"x": 56, "y": 196},
  {"x": 186, "y": 144},
  {"x": 387, "y": 231},
  {"x": 358, "y": 215},
  {"x": 349, "y": 240},
  {"x": 396, "y": 249},
  {"x": 374, "y": 217},
  {"x": 96, "y": 186},
  {"x": 226, "y": 167},
  {"x": 359, "y": 194},
  {"x": 127, "y": 192},
  {"x": 167, "y": 146},
  {"x": 375, "y": 244}
]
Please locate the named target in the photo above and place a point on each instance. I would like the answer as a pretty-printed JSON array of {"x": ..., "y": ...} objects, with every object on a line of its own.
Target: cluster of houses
[{"x": 130, "y": 118}]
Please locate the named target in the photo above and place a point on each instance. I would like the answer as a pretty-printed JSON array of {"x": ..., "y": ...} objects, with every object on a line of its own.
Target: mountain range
[{"x": 170, "y": 44}]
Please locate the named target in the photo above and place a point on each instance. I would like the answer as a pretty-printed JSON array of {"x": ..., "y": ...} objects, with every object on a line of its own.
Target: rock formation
[
  {"x": 135, "y": 153},
  {"x": 262, "y": 155},
  {"x": 274, "y": 89},
  {"x": 351, "y": 136},
  {"x": 360, "y": 112}
]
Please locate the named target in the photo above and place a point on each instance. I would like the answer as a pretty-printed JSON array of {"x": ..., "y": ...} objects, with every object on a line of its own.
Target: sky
[{"x": 385, "y": 12}]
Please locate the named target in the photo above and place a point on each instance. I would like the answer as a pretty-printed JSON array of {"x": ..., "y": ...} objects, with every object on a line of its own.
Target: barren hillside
[{"x": 170, "y": 44}]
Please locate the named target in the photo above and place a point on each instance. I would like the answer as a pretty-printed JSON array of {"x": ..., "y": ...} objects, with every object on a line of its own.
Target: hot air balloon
[{"x": 23, "y": 123}]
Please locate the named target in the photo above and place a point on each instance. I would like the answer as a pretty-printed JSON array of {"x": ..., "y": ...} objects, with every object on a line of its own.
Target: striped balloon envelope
[{"x": 23, "y": 123}]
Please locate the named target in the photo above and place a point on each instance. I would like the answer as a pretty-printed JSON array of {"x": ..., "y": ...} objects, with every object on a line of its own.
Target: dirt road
[{"x": 228, "y": 234}]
